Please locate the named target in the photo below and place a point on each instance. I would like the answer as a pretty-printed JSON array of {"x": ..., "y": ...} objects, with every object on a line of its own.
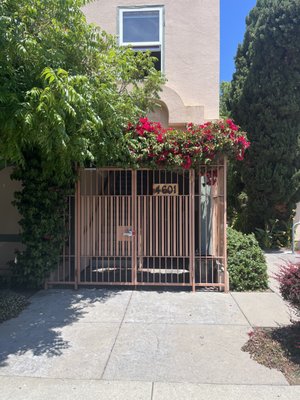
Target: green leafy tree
[
  {"x": 66, "y": 88},
  {"x": 265, "y": 101},
  {"x": 233, "y": 202},
  {"x": 225, "y": 90},
  {"x": 67, "y": 91}
]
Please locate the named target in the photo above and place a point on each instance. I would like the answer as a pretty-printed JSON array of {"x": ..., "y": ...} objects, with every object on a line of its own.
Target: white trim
[{"x": 137, "y": 9}]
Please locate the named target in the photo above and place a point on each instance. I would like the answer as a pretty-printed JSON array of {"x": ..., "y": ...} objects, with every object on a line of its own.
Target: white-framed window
[{"x": 142, "y": 29}]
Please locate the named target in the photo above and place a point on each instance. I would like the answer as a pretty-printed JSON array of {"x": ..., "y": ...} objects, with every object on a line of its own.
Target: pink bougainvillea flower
[
  {"x": 243, "y": 141},
  {"x": 198, "y": 144},
  {"x": 240, "y": 155},
  {"x": 160, "y": 138},
  {"x": 157, "y": 125},
  {"x": 187, "y": 162},
  {"x": 232, "y": 125},
  {"x": 140, "y": 132},
  {"x": 190, "y": 127},
  {"x": 209, "y": 136}
]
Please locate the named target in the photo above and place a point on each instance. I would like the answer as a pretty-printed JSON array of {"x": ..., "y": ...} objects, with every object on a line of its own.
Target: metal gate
[{"x": 146, "y": 227}]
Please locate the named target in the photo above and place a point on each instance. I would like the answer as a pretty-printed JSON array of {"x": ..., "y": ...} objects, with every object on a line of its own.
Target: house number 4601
[{"x": 165, "y": 189}]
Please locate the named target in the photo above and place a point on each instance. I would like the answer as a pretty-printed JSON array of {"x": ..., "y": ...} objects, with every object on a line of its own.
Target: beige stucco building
[{"x": 185, "y": 35}]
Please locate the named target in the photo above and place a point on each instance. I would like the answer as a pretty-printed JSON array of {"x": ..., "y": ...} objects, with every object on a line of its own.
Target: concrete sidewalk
[
  {"x": 111, "y": 344},
  {"x": 38, "y": 389}
]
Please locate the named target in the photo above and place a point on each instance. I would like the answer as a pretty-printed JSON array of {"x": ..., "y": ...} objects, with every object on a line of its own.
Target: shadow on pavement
[{"x": 38, "y": 328}]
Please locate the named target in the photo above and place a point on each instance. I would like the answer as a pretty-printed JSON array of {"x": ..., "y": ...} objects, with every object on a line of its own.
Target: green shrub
[
  {"x": 11, "y": 304},
  {"x": 246, "y": 262}
]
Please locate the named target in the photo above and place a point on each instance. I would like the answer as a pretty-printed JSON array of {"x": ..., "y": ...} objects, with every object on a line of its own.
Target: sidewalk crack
[
  {"x": 152, "y": 391},
  {"x": 241, "y": 310},
  {"x": 116, "y": 338}
]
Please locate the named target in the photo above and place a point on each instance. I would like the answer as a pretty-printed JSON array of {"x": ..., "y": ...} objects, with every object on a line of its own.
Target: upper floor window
[{"x": 142, "y": 29}]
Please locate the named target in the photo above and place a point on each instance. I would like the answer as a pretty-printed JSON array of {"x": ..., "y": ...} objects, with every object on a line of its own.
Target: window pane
[
  {"x": 141, "y": 26},
  {"x": 154, "y": 52}
]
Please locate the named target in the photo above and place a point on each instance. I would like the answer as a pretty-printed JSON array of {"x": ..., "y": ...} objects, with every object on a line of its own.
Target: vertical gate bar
[
  {"x": 64, "y": 255},
  {"x": 166, "y": 225},
  {"x": 180, "y": 224},
  {"x": 156, "y": 225},
  {"x": 91, "y": 225},
  {"x": 150, "y": 225},
  {"x": 169, "y": 223},
  {"x": 100, "y": 222},
  {"x": 82, "y": 227},
  {"x": 114, "y": 225},
  {"x": 112, "y": 209},
  {"x": 134, "y": 227},
  {"x": 87, "y": 225},
  {"x": 128, "y": 222},
  {"x": 117, "y": 226},
  {"x": 224, "y": 211},
  {"x": 160, "y": 220},
  {"x": 206, "y": 204},
  {"x": 200, "y": 227},
  {"x": 123, "y": 221},
  {"x": 144, "y": 238},
  {"x": 78, "y": 231},
  {"x": 220, "y": 215},
  {"x": 90, "y": 214},
  {"x": 139, "y": 211},
  {"x": 105, "y": 226},
  {"x": 175, "y": 227},
  {"x": 82, "y": 215},
  {"x": 186, "y": 233},
  {"x": 162, "y": 227},
  {"x": 84, "y": 220},
  {"x": 192, "y": 227},
  {"x": 96, "y": 219},
  {"x": 94, "y": 225},
  {"x": 69, "y": 238}
]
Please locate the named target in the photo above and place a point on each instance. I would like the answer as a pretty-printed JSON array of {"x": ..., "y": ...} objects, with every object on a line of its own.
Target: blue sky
[{"x": 233, "y": 15}]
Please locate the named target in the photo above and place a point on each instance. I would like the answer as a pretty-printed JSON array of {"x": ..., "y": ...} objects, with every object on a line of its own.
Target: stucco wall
[
  {"x": 9, "y": 217},
  {"x": 191, "y": 52},
  {"x": 8, "y": 214}
]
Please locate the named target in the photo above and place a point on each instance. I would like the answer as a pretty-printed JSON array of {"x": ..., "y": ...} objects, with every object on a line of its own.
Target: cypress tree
[{"x": 265, "y": 101}]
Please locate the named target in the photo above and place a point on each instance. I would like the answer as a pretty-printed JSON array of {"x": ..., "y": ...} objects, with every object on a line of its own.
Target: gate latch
[{"x": 130, "y": 233}]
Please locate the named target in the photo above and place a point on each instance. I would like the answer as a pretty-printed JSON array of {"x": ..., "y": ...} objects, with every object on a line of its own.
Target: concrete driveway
[{"x": 118, "y": 344}]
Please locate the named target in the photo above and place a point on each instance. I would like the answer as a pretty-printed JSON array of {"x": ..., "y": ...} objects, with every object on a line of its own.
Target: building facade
[
  {"x": 157, "y": 227},
  {"x": 122, "y": 232},
  {"x": 184, "y": 36}
]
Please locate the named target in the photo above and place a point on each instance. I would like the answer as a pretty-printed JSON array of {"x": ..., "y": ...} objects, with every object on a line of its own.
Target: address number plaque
[{"x": 165, "y": 189}]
